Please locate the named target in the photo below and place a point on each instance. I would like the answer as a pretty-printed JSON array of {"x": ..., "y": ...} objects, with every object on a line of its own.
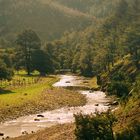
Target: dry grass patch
[{"x": 59, "y": 132}]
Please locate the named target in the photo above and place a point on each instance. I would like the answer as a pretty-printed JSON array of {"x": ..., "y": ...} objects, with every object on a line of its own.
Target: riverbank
[
  {"x": 36, "y": 98},
  {"x": 124, "y": 75},
  {"x": 37, "y": 122},
  {"x": 58, "y": 132}
]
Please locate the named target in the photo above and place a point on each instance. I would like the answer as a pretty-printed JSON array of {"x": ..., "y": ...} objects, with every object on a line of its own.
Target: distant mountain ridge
[
  {"x": 50, "y": 18},
  {"x": 67, "y": 10}
]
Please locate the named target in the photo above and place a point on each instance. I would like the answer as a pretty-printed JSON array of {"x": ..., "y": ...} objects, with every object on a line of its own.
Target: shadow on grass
[
  {"x": 2, "y": 91},
  {"x": 38, "y": 76},
  {"x": 25, "y": 75}
]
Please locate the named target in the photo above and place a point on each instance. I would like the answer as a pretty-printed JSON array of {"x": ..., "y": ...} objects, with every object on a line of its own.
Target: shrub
[
  {"x": 94, "y": 127},
  {"x": 120, "y": 89},
  {"x": 5, "y": 73},
  {"x": 132, "y": 133},
  {"x": 118, "y": 76},
  {"x": 119, "y": 84}
]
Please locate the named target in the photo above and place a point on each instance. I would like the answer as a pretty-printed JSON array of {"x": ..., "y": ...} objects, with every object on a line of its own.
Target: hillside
[
  {"x": 97, "y": 8},
  {"x": 49, "y": 21}
]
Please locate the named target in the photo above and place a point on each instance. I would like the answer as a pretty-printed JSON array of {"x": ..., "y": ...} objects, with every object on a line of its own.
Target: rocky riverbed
[{"x": 96, "y": 101}]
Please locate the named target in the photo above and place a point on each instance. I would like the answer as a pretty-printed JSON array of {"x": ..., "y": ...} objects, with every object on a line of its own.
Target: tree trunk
[
  {"x": 43, "y": 74},
  {"x": 29, "y": 61}
]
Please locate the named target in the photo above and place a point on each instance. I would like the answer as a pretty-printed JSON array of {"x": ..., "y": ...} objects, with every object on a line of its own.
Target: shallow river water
[{"x": 95, "y": 101}]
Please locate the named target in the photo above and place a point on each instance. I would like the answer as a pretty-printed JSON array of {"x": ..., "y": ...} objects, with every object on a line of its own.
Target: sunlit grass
[
  {"x": 23, "y": 94},
  {"x": 16, "y": 101},
  {"x": 93, "y": 83}
]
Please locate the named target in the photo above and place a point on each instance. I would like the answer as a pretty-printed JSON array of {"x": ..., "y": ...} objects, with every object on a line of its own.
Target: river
[{"x": 95, "y": 101}]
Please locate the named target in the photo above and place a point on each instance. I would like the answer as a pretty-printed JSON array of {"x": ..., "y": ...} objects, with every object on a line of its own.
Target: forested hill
[
  {"x": 98, "y": 8},
  {"x": 49, "y": 20},
  {"x": 96, "y": 47}
]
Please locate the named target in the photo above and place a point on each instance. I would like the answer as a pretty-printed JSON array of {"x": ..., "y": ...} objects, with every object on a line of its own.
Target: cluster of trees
[
  {"x": 30, "y": 55},
  {"x": 97, "y": 48},
  {"x": 6, "y": 71},
  {"x": 117, "y": 36},
  {"x": 87, "y": 52},
  {"x": 120, "y": 84}
]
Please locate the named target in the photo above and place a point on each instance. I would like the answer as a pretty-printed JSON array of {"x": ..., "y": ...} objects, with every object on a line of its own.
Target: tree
[
  {"x": 133, "y": 43},
  {"x": 28, "y": 41},
  {"x": 120, "y": 84},
  {"x": 41, "y": 62},
  {"x": 50, "y": 58},
  {"x": 18, "y": 59},
  {"x": 5, "y": 73},
  {"x": 86, "y": 61}
]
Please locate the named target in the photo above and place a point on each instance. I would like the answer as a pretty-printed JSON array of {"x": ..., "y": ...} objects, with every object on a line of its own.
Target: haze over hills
[
  {"x": 50, "y": 19},
  {"x": 71, "y": 11}
]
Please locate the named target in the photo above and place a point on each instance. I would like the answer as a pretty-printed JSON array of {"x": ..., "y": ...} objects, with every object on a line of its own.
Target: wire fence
[{"x": 19, "y": 82}]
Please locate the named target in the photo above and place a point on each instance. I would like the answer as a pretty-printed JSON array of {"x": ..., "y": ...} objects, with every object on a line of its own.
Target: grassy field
[
  {"x": 35, "y": 97},
  {"x": 17, "y": 96}
]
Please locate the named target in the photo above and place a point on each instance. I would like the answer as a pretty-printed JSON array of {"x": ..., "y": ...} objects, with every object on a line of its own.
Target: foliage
[
  {"x": 118, "y": 88},
  {"x": 119, "y": 76},
  {"x": 132, "y": 133},
  {"x": 5, "y": 73},
  {"x": 98, "y": 47},
  {"x": 28, "y": 41},
  {"x": 39, "y": 61},
  {"x": 97, "y": 127},
  {"x": 119, "y": 84},
  {"x": 133, "y": 41}
]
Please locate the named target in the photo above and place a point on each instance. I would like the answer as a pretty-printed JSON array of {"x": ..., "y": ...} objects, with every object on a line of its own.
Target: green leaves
[
  {"x": 94, "y": 127},
  {"x": 28, "y": 42},
  {"x": 5, "y": 73},
  {"x": 119, "y": 85}
]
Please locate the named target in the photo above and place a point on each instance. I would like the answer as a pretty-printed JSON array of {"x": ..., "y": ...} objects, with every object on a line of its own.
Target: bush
[
  {"x": 119, "y": 76},
  {"x": 118, "y": 88},
  {"x": 94, "y": 127},
  {"x": 132, "y": 133},
  {"x": 119, "y": 84},
  {"x": 5, "y": 73}
]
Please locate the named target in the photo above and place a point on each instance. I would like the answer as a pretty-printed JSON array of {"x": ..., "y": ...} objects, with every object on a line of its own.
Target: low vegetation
[
  {"x": 94, "y": 127},
  {"x": 128, "y": 125}
]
